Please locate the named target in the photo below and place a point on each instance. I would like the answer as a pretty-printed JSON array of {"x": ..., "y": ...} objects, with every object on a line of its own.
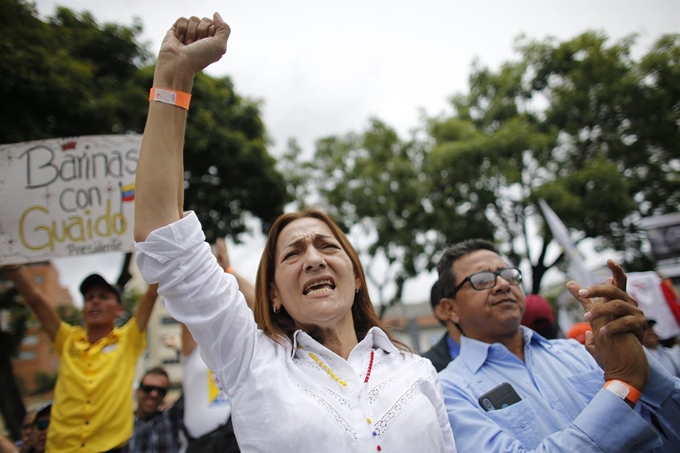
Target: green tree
[
  {"x": 578, "y": 123},
  {"x": 68, "y": 76}
]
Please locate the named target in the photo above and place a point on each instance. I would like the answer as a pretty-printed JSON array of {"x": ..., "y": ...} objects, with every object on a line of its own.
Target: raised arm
[
  {"x": 188, "y": 47},
  {"x": 188, "y": 342},
  {"x": 244, "y": 285},
  {"x": 24, "y": 282},
  {"x": 146, "y": 306}
]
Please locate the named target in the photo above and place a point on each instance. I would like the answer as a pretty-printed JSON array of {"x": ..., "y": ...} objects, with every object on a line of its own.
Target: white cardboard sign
[{"x": 67, "y": 197}]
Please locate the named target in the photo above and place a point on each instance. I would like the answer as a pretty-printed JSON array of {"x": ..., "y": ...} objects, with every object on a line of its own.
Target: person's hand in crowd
[
  {"x": 172, "y": 341},
  {"x": 617, "y": 324},
  {"x": 221, "y": 253}
]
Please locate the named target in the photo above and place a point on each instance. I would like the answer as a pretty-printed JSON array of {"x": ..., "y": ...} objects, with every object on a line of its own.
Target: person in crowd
[
  {"x": 512, "y": 390},
  {"x": 579, "y": 331},
  {"x": 156, "y": 430},
  {"x": 92, "y": 411},
  {"x": 207, "y": 412},
  {"x": 311, "y": 369},
  {"x": 448, "y": 347},
  {"x": 40, "y": 425},
  {"x": 662, "y": 354},
  {"x": 25, "y": 444},
  {"x": 539, "y": 317}
]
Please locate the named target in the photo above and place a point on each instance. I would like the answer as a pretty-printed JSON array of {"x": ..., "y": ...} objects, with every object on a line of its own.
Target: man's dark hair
[
  {"x": 447, "y": 280},
  {"x": 435, "y": 295},
  {"x": 158, "y": 371}
]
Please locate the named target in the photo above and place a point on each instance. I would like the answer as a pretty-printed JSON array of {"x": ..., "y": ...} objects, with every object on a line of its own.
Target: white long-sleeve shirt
[{"x": 282, "y": 399}]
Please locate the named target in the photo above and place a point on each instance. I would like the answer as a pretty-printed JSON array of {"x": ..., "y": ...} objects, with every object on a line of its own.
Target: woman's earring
[{"x": 275, "y": 308}]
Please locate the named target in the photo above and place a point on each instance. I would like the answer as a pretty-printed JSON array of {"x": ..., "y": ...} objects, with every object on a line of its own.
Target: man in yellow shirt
[{"x": 92, "y": 411}]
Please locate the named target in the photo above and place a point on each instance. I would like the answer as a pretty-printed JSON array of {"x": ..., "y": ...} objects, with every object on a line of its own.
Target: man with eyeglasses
[
  {"x": 512, "y": 390},
  {"x": 155, "y": 430}
]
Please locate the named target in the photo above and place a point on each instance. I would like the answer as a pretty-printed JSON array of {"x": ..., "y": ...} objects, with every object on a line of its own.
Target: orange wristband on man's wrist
[
  {"x": 229, "y": 270},
  {"x": 172, "y": 97},
  {"x": 623, "y": 390}
]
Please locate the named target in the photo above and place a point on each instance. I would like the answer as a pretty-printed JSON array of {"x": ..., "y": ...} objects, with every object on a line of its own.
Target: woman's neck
[{"x": 340, "y": 341}]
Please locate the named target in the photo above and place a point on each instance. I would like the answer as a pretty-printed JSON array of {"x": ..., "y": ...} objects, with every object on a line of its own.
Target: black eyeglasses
[
  {"x": 42, "y": 425},
  {"x": 162, "y": 391},
  {"x": 487, "y": 279}
]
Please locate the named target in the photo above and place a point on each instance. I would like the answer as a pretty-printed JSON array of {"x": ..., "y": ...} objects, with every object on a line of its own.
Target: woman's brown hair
[{"x": 281, "y": 325}]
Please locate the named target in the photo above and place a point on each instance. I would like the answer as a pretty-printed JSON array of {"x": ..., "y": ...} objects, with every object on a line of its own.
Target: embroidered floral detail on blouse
[
  {"x": 375, "y": 391},
  {"x": 384, "y": 423},
  {"x": 338, "y": 418},
  {"x": 389, "y": 358},
  {"x": 341, "y": 399}
]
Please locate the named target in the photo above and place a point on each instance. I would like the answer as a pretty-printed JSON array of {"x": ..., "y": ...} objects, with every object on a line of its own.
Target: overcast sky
[{"x": 324, "y": 67}]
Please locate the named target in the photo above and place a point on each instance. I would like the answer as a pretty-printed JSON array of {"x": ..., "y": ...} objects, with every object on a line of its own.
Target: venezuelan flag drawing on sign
[{"x": 127, "y": 192}]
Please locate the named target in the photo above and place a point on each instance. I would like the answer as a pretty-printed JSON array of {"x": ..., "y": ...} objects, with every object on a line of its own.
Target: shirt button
[
  {"x": 87, "y": 422},
  {"x": 522, "y": 423}
]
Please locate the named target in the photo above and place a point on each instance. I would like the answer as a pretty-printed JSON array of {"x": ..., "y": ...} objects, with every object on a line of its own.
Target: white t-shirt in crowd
[{"x": 206, "y": 406}]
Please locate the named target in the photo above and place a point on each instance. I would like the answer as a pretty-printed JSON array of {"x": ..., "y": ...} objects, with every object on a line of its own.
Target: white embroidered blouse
[{"x": 282, "y": 399}]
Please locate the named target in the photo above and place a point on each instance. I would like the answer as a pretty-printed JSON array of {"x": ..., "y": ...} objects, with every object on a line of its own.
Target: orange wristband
[
  {"x": 623, "y": 390},
  {"x": 172, "y": 97},
  {"x": 229, "y": 270}
]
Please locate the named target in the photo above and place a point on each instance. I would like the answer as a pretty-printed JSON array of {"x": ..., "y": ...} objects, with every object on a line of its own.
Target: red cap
[
  {"x": 578, "y": 331},
  {"x": 538, "y": 312}
]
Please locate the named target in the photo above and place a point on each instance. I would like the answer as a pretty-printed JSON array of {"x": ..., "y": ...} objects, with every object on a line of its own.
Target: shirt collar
[
  {"x": 475, "y": 353},
  {"x": 375, "y": 338},
  {"x": 82, "y": 341}
]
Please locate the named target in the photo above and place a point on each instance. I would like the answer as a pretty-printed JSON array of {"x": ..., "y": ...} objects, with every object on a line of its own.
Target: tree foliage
[
  {"x": 570, "y": 122},
  {"x": 578, "y": 123},
  {"x": 68, "y": 76}
]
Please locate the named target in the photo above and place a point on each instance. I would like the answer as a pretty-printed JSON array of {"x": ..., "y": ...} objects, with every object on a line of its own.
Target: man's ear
[{"x": 446, "y": 310}]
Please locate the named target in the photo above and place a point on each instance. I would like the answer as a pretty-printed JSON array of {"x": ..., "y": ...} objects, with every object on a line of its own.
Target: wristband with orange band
[
  {"x": 172, "y": 97},
  {"x": 623, "y": 390},
  {"x": 229, "y": 270}
]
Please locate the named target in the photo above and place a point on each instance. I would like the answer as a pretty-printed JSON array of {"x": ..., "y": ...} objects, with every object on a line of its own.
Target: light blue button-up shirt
[{"x": 563, "y": 406}]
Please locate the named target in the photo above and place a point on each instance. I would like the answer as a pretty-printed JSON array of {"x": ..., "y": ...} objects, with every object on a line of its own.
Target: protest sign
[{"x": 67, "y": 197}]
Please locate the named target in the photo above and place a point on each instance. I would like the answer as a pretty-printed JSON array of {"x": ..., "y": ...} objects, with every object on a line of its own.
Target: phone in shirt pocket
[{"x": 499, "y": 397}]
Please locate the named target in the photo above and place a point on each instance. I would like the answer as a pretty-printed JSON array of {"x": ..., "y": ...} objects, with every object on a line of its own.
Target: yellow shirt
[{"x": 92, "y": 410}]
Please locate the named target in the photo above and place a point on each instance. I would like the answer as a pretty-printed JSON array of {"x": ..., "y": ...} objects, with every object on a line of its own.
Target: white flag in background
[{"x": 577, "y": 267}]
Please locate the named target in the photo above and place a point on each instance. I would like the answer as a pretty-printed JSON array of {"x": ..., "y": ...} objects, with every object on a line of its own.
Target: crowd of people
[{"x": 302, "y": 362}]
